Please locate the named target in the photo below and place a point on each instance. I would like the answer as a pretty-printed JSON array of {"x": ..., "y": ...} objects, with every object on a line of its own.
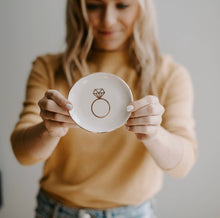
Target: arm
[
  {"x": 41, "y": 139},
  {"x": 43, "y": 121},
  {"x": 168, "y": 133}
]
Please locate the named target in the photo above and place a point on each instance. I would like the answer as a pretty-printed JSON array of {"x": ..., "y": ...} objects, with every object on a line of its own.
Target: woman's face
[{"x": 112, "y": 22}]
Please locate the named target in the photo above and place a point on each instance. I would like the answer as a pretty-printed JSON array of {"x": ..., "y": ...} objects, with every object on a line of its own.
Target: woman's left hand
[{"x": 146, "y": 117}]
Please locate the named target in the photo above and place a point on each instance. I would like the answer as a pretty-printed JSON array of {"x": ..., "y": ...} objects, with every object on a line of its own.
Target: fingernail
[
  {"x": 69, "y": 106},
  {"x": 130, "y": 108}
]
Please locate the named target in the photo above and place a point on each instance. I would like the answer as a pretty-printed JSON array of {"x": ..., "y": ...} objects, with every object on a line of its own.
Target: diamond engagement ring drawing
[{"x": 100, "y": 107}]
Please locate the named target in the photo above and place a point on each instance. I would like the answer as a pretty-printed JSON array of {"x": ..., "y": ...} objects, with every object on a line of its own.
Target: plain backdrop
[{"x": 188, "y": 30}]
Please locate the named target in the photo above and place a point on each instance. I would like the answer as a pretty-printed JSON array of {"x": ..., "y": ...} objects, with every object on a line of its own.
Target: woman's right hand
[{"x": 54, "y": 109}]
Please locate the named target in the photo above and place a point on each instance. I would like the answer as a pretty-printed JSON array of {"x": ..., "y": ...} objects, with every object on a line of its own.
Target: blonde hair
[{"x": 143, "y": 49}]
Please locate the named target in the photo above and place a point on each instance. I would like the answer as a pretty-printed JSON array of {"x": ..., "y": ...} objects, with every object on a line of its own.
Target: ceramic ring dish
[{"x": 99, "y": 102}]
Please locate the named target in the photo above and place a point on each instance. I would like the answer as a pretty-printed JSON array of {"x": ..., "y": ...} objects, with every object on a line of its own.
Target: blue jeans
[{"x": 49, "y": 208}]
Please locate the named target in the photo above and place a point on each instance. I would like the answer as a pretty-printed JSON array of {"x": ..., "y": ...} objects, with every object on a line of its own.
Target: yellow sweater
[{"x": 110, "y": 169}]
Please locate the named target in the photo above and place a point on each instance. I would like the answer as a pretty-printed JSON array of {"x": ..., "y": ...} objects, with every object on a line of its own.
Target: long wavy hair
[{"x": 143, "y": 47}]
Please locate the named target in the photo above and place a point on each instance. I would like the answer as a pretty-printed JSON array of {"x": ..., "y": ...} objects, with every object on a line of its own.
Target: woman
[{"x": 114, "y": 174}]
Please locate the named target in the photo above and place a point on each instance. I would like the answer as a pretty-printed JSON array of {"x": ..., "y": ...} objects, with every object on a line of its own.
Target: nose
[{"x": 109, "y": 16}]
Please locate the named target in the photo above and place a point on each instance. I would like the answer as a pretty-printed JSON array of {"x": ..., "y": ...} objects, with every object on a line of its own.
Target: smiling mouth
[{"x": 108, "y": 33}]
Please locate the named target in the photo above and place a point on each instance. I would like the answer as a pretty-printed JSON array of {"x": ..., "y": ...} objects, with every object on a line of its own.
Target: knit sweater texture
[{"x": 111, "y": 169}]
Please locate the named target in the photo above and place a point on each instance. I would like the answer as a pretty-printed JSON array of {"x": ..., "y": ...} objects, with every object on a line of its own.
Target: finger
[
  {"x": 49, "y": 105},
  {"x": 56, "y": 117},
  {"x": 148, "y": 130},
  {"x": 59, "y": 99},
  {"x": 144, "y": 121},
  {"x": 136, "y": 105},
  {"x": 58, "y": 126},
  {"x": 68, "y": 125},
  {"x": 148, "y": 110}
]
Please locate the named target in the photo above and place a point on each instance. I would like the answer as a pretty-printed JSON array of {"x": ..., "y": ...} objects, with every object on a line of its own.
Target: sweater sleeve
[
  {"x": 178, "y": 117},
  {"x": 37, "y": 84}
]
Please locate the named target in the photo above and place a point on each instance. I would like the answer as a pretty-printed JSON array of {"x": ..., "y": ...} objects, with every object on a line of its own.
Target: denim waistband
[{"x": 58, "y": 210}]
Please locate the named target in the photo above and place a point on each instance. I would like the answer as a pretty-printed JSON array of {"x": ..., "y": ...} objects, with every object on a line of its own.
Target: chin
[{"x": 109, "y": 48}]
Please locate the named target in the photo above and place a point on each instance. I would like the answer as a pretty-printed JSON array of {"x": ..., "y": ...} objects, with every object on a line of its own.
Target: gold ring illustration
[{"x": 99, "y": 92}]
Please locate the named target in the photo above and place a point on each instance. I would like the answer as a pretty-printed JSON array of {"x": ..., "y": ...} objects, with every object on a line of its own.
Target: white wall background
[{"x": 189, "y": 31}]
